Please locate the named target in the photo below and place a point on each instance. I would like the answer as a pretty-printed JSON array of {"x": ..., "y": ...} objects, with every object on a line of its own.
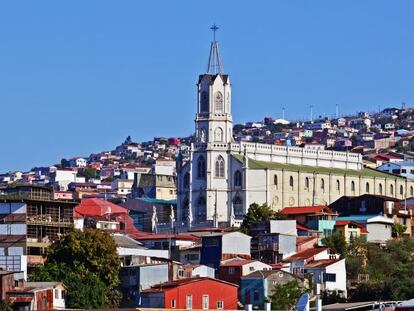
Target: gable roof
[
  {"x": 306, "y": 254},
  {"x": 98, "y": 207},
  {"x": 168, "y": 285}
]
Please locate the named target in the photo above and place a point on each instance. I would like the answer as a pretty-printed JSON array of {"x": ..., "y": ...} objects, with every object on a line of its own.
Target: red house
[{"x": 192, "y": 293}]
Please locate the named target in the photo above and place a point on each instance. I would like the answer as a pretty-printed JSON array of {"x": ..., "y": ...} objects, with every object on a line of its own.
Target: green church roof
[{"x": 365, "y": 172}]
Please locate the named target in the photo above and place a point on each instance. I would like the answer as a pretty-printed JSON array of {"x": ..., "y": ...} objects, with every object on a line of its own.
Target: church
[{"x": 218, "y": 178}]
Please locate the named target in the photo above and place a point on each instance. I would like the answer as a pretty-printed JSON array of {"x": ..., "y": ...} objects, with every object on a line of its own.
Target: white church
[{"x": 218, "y": 178}]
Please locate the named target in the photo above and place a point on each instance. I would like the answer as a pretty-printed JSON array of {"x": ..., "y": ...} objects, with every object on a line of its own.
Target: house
[
  {"x": 104, "y": 215},
  {"x": 8, "y": 280},
  {"x": 38, "y": 296},
  {"x": 402, "y": 168},
  {"x": 257, "y": 286},
  {"x": 328, "y": 275},
  {"x": 31, "y": 219},
  {"x": 379, "y": 227},
  {"x": 78, "y": 162},
  {"x": 373, "y": 205},
  {"x": 218, "y": 246},
  {"x": 350, "y": 229},
  {"x": 231, "y": 270},
  {"x": 194, "y": 293},
  {"x": 132, "y": 252},
  {"x": 136, "y": 278},
  {"x": 320, "y": 218},
  {"x": 195, "y": 270}
]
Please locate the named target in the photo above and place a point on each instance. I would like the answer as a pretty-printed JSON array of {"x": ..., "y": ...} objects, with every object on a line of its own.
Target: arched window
[
  {"x": 401, "y": 190},
  {"x": 275, "y": 180},
  {"x": 307, "y": 183},
  {"x": 218, "y": 134},
  {"x": 218, "y": 102},
  {"x": 237, "y": 179},
  {"x": 201, "y": 201},
  {"x": 220, "y": 167},
  {"x": 186, "y": 180},
  {"x": 323, "y": 184},
  {"x": 204, "y": 102},
  {"x": 291, "y": 182},
  {"x": 367, "y": 187},
  {"x": 411, "y": 191},
  {"x": 338, "y": 185},
  {"x": 186, "y": 206},
  {"x": 202, "y": 135},
  {"x": 237, "y": 200},
  {"x": 380, "y": 188},
  {"x": 392, "y": 189},
  {"x": 238, "y": 206},
  {"x": 352, "y": 186},
  {"x": 201, "y": 167}
]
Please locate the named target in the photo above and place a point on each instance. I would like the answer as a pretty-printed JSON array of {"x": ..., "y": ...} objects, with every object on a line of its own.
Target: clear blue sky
[{"x": 79, "y": 76}]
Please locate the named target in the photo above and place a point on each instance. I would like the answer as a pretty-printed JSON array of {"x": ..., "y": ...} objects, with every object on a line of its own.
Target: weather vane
[{"x": 214, "y": 28}]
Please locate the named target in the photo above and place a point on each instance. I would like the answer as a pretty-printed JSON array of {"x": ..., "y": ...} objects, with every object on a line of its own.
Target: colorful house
[
  {"x": 350, "y": 229},
  {"x": 193, "y": 293}
]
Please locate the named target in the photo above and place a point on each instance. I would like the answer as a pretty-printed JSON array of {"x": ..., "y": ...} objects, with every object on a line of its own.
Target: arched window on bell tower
[
  {"x": 219, "y": 168},
  {"x": 218, "y": 134},
  {"x": 204, "y": 102},
  {"x": 218, "y": 102}
]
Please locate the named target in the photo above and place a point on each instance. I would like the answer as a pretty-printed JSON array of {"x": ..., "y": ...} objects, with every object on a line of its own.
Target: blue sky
[{"x": 79, "y": 76}]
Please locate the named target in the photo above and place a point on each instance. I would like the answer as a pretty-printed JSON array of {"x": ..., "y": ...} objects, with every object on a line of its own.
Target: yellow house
[{"x": 350, "y": 229}]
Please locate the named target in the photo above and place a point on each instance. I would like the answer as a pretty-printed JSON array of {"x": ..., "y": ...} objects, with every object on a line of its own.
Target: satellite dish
[{"x": 303, "y": 303}]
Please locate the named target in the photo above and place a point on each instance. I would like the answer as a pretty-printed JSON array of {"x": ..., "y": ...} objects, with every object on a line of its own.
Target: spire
[{"x": 214, "y": 61}]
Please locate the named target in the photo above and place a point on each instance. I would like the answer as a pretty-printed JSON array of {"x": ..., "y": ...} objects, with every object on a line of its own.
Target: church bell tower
[{"x": 214, "y": 123}]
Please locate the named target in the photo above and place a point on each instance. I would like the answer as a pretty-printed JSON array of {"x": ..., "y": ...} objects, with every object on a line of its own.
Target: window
[
  {"x": 403, "y": 171},
  {"x": 392, "y": 189},
  {"x": 306, "y": 183},
  {"x": 380, "y": 188},
  {"x": 201, "y": 167},
  {"x": 220, "y": 167},
  {"x": 237, "y": 179},
  {"x": 173, "y": 304},
  {"x": 338, "y": 185},
  {"x": 367, "y": 187},
  {"x": 181, "y": 272},
  {"x": 275, "y": 180},
  {"x": 256, "y": 295},
  {"x": 218, "y": 134},
  {"x": 231, "y": 270},
  {"x": 204, "y": 102},
  {"x": 218, "y": 102},
  {"x": 189, "y": 302},
  {"x": 186, "y": 180},
  {"x": 401, "y": 190},
  {"x": 57, "y": 294},
  {"x": 251, "y": 268},
  {"x": 323, "y": 184},
  {"x": 220, "y": 304},
  {"x": 291, "y": 182},
  {"x": 411, "y": 191},
  {"x": 329, "y": 277},
  {"x": 352, "y": 186},
  {"x": 205, "y": 302}
]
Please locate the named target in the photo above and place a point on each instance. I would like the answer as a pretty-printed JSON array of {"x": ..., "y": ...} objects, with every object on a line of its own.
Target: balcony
[{"x": 48, "y": 220}]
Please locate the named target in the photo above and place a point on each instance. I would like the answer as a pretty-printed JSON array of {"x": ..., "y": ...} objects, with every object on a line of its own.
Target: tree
[
  {"x": 285, "y": 297},
  {"x": 88, "y": 264},
  {"x": 398, "y": 230},
  {"x": 336, "y": 242},
  {"x": 258, "y": 213},
  {"x": 89, "y": 173}
]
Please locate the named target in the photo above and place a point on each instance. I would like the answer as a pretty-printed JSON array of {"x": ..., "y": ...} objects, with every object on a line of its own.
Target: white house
[
  {"x": 379, "y": 229},
  {"x": 403, "y": 168},
  {"x": 328, "y": 275}
]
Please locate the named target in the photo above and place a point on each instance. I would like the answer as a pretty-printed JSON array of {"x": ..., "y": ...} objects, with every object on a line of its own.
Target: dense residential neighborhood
[{"x": 236, "y": 216}]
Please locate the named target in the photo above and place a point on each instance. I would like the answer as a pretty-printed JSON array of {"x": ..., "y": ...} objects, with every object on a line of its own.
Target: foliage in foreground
[
  {"x": 258, "y": 213},
  {"x": 88, "y": 264},
  {"x": 285, "y": 297}
]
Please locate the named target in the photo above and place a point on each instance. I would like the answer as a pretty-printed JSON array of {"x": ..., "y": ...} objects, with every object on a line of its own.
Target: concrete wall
[
  {"x": 236, "y": 243},
  {"x": 379, "y": 232}
]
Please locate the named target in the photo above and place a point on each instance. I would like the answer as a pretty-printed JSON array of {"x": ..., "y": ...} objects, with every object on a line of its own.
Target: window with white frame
[
  {"x": 220, "y": 305},
  {"x": 205, "y": 302},
  {"x": 189, "y": 302},
  {"x": 173, "y": 304}
]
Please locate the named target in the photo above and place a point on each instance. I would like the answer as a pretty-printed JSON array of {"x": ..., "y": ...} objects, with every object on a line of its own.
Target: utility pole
[{"x": 215, "y": 225}]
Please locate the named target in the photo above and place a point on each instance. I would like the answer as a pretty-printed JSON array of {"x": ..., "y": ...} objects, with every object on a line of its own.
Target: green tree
[
  {"x": 398, "y": 230},
  {"x": 88, "y": 264},
  {"x": 285, "y": 297},
  {"x": 337, "y": 243},
  {"x": 89, "y": 173},
  {"x": 258, "y": 213}
]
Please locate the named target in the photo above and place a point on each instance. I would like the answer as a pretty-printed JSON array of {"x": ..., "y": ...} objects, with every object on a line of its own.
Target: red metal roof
[
  {"x": 98, "y": 207},
  {"x": 298, "y": 210},
  {"x": 321, "y": 263},
  {"x": 300, "y": 227},
  {"x": 306, "y": 254},
  {"x": 168, "y": 285}
]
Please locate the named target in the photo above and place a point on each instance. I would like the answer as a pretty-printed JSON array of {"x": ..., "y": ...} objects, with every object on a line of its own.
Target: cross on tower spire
[{"x": 214, "y": 60}]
